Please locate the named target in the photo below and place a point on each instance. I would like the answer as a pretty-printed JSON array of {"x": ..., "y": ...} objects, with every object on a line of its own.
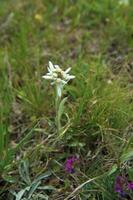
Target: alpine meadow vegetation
[{"x": 66, "y": 100}]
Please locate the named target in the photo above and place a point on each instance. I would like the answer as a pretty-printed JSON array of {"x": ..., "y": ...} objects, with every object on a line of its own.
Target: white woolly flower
[{"x": 58, "y": 76}]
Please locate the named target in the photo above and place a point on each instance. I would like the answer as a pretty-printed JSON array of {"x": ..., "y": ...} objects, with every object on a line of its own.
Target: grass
[{"x": 95, "y": 39}]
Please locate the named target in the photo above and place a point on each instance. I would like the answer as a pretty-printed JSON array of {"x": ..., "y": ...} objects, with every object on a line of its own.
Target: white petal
[
  {"x": 68, "y": 70},
  {"x": 51, "y": 66},
  {"x": 70, "y": 77},
  {"x": 47, "y": 77},
  {"x": 57, "y": 66},
  {"x": 58, "y": 69},
  {"x": 49, "y": 74},
  {"x": 49, "y": 70}
]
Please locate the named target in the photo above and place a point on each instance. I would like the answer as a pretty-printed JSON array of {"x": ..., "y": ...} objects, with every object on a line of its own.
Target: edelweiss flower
[{"x": 58, "y": 76}]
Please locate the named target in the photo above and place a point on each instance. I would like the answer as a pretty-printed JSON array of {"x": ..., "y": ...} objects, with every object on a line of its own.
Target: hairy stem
[{"x": 57, "y": 104}]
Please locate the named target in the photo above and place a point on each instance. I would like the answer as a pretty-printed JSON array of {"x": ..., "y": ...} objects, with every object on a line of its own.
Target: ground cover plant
[{"x": 72, "y": 139}]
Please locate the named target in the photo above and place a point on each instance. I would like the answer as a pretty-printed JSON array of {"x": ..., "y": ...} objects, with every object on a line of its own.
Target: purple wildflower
[
  {"x": 130, "y": 185},
  {"x": 119, "y": 184},
  {"x": 123, "y": 194},
  {"x": 69, "y": 165}
]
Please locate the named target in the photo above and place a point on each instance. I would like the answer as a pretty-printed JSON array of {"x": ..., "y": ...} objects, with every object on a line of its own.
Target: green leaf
[
  {"x": 126, "y": 156},
  {"x": 77, "y": 144},
  {"x": 20, "y": 194},
  {"x": 66, "y": 127},
  {"x": 34, "y": 186},
  {"x": 26, "y": 138},
  {"x": 113, "y": 169},
  {"x": 24, "y": 171},
  {"x": 47, "y": 187},
  {"x": 9, "y": 178},
  {"x": 130, "y": 173},
  {"x": 61, "y": 108},
  {"x": 42, "y": 176},
  {"x": 42, "y": 196}
]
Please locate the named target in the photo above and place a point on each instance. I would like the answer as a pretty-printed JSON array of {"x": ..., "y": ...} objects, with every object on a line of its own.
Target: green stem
[{"x": 57, "y": 104}]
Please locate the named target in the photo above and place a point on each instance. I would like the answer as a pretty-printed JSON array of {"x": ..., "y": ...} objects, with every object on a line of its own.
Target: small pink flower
[
  {"x": 122, "y": 184},
  {"x": 69, "y": 165},
  {"x": 130, "y": 185},
  {"x": 119, "y": 184}
]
